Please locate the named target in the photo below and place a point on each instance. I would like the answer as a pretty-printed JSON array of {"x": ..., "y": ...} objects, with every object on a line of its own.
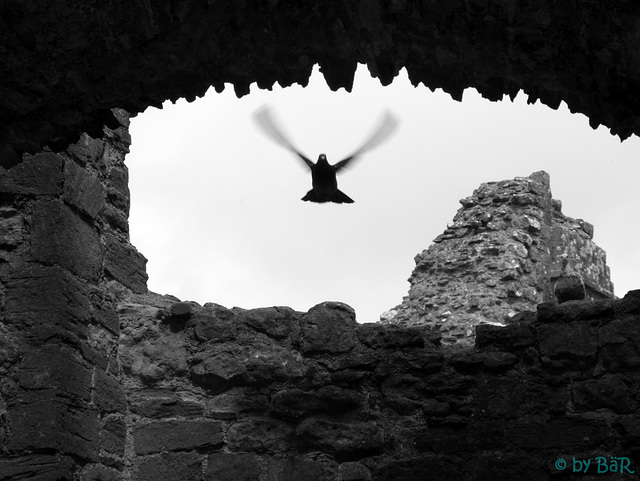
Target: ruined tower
[{"x": 500, "y": 256}]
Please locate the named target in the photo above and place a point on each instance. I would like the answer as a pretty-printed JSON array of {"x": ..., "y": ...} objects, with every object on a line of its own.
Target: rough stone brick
[
  {"x": 215, "y": 323},
  {"x": 169, "y": 467},
  {"x": 40, "y": 174},
  {"x": 259, "y": 435},
  {"x": 36, "y": 467},
  {"x": 232, "y": 467},
  {"x": 296, "y": 403},
  {"x": 41, "y": 421},
  {"x": 99, "y": 473},
  {"x": 296, "y": 469},
  {"x": 276, "y": 322},
  {"x": 507, "y": 337},
  {"x": 489, "y": 436},
  {"x": 610, "y": 391},
  {"x": 113, "y": 436},
  {"x": 421, "y": 468},
  {"x": 328, "y": 327},
  {"x": 620, "y": 341},
  {"x": 568, "y": 341},
  {"x": 377, "y": 335},
  {"x": 341, "y": 438},
  {"x": 86, "y": 149},
  {"x": 125, "y": 264},
  {"x": 82, "y": 189},
  {"x": 161, "y": 404},
  {"x": 56, "y": 367},
  {"x": 11, "y": 227},
  {"x": 560, "y": 433},
  {"x": 177, "y": 435},
  {"x": 60, "y": 237},
  {"x": 353, "y": 471},
  {"x": 108, "y": 393},
  {"x": 47, "y": 302}
]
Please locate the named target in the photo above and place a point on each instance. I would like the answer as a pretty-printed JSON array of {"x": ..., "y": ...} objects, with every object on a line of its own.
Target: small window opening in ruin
[{"x": 216, "y": 205}]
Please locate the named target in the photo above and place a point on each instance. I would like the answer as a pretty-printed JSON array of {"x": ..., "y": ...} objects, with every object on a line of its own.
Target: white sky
[{"x": 215, "y": 204}]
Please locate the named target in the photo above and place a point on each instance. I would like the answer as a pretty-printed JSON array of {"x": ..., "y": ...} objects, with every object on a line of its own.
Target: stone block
[
  {"x": 47, "y": 303},
  {"x": 340, "y": 438},
  {"x": 177, "y": 435},
  {"x": 61, "y": 237},
  {"x": 296, "y": 469},
  {"x": 36, "y": 467},
  {"x": 215, "y": 323},
  {"x": 353, "y": 471},
  {"x": 377, "y": 335},
  {"x": 162, "y": 404},
  {"x": 328, "y": 327},
  {"x": 610, "y": 391},
  {"x": 260, "y": 435},
  {"x": 510, "y": 467},
  {"x": 40, "y": 421},
  {"x": 295, "y": 403},
  {"x": 571, "y": 311},
  {"x": 56, "y": 367},
  {"x": 620, "y": 345},
  {"x": 125, "y": 264},
  {"x": 11, "y": 228},
  {"x": 38, "y": 175},
  {"x": 276, "y": 322},
  {"x": 558, "y": 434},
  {"x": 515, "y": 336},
  {"x": 113, "y": 436},
  {"x": 108, "y": 393},
  {"x": 100, "y": 473},
  {"x": 489, "y": 361},
  {"x": 86, "y": 149},
  {"x": 567, "y": 346},
  {"x": 232, "y": 467},
  {"x": 82, "y": 189},
  {"x": 489, "y": 436},
  {"x": 430, "y": 467},
  {"x": 169, "y": 467},
  {"x": 235, "y": 401}
]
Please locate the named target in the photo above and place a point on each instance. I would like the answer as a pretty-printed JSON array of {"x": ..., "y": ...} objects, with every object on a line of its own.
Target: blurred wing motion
[
  {"x": 387, "y": 126},
  {"x": 266, "y": 122}
]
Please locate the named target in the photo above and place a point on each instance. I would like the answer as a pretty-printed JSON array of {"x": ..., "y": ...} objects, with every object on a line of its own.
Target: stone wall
[
  {"x": 500, "y": 256},
  {"x": 63, "y": 248}
]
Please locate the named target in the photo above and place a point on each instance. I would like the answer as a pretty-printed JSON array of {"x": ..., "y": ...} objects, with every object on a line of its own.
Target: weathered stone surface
[
  {"x": 113, "y": 436},
  {"x": 620, "y": 341},
  {"x": 11, "y": 227},
  {"x": 340, "y": 438},
  {"x": 260, "y": 435},
  {"x": 160, "y": 404},
  {"x": 276, "y": 322},
  {"x": 82, "y": 189},
  {"x": 40, "y": 174},
  {"x": 216, "y": 323},
  {"x": 177, "y": 436},
  {"x": 125, "y": 264},
  {"x": 425, "y": 467},
  {"x": 376, "y": 335},
  {"x": 567, "y": 346},
  {"x": 232, "y": 467},
  {"x": 40, "y": 420},
  {"x": 100, "y": 473},
  {"x": 61, "y": 237},
  {"x": 508, "y": 337},
  {"x": 108, "y": 393},
  {"x": 295, "y": 403},
  {"x": 328, "y": 327},
  {"x": 48, "y": 302},
  {"x": 611, "y": 391},
  {"x": 169, "y": 467},
  {"x": 36, "y": 467},
  {"x": 353, "y": 472},
  {"x": 296, "y": 469},
  {"x": 495, "y": 361},
  {"x": 561, "y": 433},
  {"x": 479, "y": 438},
  {"x": 234, "y": 402}
]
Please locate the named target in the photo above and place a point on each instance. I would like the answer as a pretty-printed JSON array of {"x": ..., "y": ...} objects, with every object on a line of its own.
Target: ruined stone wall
[
  {"x": 63, "y": 247},
  {"x": 499, "y": 257}
]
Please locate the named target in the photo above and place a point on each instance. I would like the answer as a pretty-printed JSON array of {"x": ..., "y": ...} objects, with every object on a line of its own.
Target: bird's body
[{"x": 323, "y": 175}]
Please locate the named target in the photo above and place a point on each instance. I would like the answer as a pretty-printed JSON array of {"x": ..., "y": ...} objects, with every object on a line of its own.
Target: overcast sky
[{"x": 216, "y": 209}]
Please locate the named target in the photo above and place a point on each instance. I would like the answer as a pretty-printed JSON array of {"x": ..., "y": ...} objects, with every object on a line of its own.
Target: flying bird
[{"x": 323, "y": 174}]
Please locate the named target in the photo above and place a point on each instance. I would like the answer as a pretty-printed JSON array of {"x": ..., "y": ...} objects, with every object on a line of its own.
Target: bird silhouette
[{"x": 323, "y": 174}]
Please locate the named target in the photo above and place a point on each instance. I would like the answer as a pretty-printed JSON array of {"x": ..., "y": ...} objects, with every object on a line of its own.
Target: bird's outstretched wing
[
  {"x": 264, "y": 119},
  {"x": 386, "y": 127}
]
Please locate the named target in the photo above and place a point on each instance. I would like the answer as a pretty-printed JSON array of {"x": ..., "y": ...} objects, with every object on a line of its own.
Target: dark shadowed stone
[
  {"x": 571, "y": 311},
  {"x": 177, "y": 435},
  {"x": 215, "y": 323},
  {"x": 489, "y": 436},
  {"x": 377, "y": 335},
  {"x": 610, "y": 391},
  {"x": 340, "y": 438},
  {"x": 426, "y": 468},
  {"x": 82, "y": 189},
  {"x": 260, "y": 435},
  {"x": 492, "y": 361},
  {"x": 500, "y": 397},
  {"x": 445, "y": 383},
  {"x": 48, "y": 302},
  {"x": 40, "y": 174},
  {"x": 41, "y": 421},
  {"x": 570, "y": 346},
  {"x": 36, "y": 467},
  {"x": 162, "y": 404},
  {"x": 560, "y": 433},
  {"x": 100, "y": 473},
  {"x": 230, "y": 404},
  {"x": 108, "y": 393},
  {"x": 328, "y": 327},
  {"x": 295, "y": 403},
  {"x": 232, "y": 467},
  {"x": 629, "y": 304},
  {"x": 169, "y": 467},
  {"x": 86, "y": 149},
  {"x": 628, "y": 428},
  {"x": 113, "y": 436},
  {"x": 353, "y": 471},
  {"x": 125, "y": 264},
  {"x": 11, "y": 227},
  {"x": 56, "y": 367},
  {"x": 181, "y": 311},
  {"x": 620, "y": 341},
  {"x": 507, "y": 338},
  {"x": 276, "y": 322},
  {"x": 296, "y": 469},
  {"x": 215, "y": 369},
  {"x": 61, "y": 237},
  {"x": 511, "y": 467}
]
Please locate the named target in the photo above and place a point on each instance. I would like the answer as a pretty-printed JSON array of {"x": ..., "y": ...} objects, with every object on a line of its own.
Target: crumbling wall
[
  {"x": 500, "y": 256},
  {"x": 63, "y": 248}
]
